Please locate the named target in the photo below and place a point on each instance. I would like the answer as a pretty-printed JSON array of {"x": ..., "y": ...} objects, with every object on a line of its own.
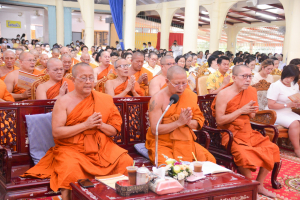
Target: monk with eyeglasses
[
  {"x": 142, "y": 75},
  {"x": 233, "y": 107},
  {"x": 175, "y": 132},
  {"x": 57, "y": 86},
  {"x": 83, "y": 124},
  {"x": 124, "y": 85}
]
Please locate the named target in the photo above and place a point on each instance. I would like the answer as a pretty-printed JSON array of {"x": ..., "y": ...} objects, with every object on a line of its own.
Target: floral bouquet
[{"x": 177, "y": 170}]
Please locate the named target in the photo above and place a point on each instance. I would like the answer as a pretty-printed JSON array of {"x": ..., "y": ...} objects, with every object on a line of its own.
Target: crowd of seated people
[{"x": 74, "y": 71}]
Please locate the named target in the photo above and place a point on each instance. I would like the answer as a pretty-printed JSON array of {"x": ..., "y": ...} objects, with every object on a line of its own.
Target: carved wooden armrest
[
  {"x": 211, "y": 132},
  {"x": 200, "y": 138},
  {"x": 261, "y": 128},
  {"x": 5, "y": 164},
  {"x": 265, "y": 117}
]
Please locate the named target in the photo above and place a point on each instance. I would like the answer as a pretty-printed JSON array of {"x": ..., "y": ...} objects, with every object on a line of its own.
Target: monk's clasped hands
[
  {"x": 249, "y": 108},
  {"x": 185, "y": 116},
  {"x": 94, "y": 121}
]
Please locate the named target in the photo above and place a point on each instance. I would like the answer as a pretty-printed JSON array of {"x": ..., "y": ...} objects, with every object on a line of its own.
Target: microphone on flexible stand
[{"x": 173, "y": 99}]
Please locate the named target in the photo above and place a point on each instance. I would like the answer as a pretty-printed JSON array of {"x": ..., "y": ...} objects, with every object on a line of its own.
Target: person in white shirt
[
  {"x": 201, "y": 60},
  {"x": 281, "y": 63},
  {"x": 278, "y": 100},
  {"x": 212, "y": 63},
  {"x": 265, "y": 72},
  {"x": 176, "y": 49},
  {"x": 151, "y": 65},
  {"x": 150, "y": 47},
  {"x": 144, "y": 46},
  {"x": 118, "y": 45},
  {"x": 47, "y": 50}
]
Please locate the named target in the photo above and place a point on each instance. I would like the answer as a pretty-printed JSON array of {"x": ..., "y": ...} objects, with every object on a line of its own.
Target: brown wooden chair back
[{"x": 36, "y": 83}]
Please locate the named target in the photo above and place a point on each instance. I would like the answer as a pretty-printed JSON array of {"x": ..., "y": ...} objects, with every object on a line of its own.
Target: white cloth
[
  {"x": 150, "y": 48},
  {"x": 280, "y": 93},
  {"x": 201, "y": 61},
  {"x": 48, "y": 53},
  {"x": 212, "y": 70},
  {"x": 281, "y": 65},
  {"x": 257, "y": 77},
  {"x": 118, "y": 47},
  {"x": 177, "y": 50},
  {"x": 154, "y": 70}
]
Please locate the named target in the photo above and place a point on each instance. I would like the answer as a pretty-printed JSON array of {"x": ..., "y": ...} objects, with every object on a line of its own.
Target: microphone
[{"x": 173, "y": 99}]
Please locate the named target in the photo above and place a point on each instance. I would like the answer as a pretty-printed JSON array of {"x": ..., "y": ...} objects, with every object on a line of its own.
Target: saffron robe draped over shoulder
[
  {"x": 4, "y": 94},
  {"x": 249, "y": 148},
  {"x": 180, "y": 142},
  {"x": 3, "y": 77},
  {"x": 144, "y": 88},
  {"x": 88, "y": 154},
  {"x": 123, "y": 86},
  {"x": 105, "y": 72},
  {"x": 53, "y": 91}
]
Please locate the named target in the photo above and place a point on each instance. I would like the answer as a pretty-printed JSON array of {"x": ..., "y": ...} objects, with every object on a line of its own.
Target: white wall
[{"x": 98, "y": 25}]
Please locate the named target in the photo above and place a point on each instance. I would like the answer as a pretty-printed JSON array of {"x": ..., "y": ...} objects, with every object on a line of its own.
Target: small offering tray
[{"x": 124, "y": 189}]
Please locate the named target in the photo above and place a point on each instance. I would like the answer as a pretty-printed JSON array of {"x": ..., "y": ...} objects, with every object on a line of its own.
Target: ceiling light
[
  {"x": 204, "y": 12},
  {"x": 265, "y": 15},
  {"x": 205, "y": 18},
  {"x": 0, "y": 6}
]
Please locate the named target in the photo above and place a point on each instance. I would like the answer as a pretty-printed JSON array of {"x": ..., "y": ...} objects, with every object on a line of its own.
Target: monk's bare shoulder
[
  {"x": 225, "y": 95},
  {"x": 156, "y": 100},
  {"x": 44, "y": 86}
]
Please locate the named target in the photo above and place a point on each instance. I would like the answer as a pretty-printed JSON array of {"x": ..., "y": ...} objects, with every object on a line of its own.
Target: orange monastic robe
[
  {"x": 105, "y": 72},
  {"x": 75, "y": 61},
  {"x": 249, "y": 148},
  {"x": 123, "y": 86},
  {"x": 180, "y": 142},
  {"x": 88, "y": 154},
  {"x": 144, "y": 88},
  {"x": 3, "y": 77},
  {"x": 53, "y": 91},
  {"x": 4, "y": 94}
]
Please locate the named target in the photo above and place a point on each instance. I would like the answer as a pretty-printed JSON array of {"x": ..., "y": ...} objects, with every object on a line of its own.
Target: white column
[
  {"x": 60, "y": 21},
  {"x": 165, "y": 18},
  {"x": 27, "y": 25},
  {"x": 45, "y": 27},
  {"x": 87, "y": 8},
  {"x": 215, "y": 31},
  {"x": 191, "y": 26},
  {"x": 129, "y": 24},
  {"x": 232, "y": 32},
  {"x": 292, "y": 31}
]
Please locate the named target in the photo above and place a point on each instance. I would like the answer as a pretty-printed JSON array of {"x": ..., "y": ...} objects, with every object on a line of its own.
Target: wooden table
[{"x": 224, "y": 186}]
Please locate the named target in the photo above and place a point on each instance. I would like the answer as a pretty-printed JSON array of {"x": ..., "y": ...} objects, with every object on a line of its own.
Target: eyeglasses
[
  {"x": 85, "y": 79},
  {"x": 169, "y": 64},
  {"x": 58, "y": 70},
  {"x": 86, "y": 60},
  {"x": 30, "y": 60},
  {"x": 178, "y": 85},
  {"x": 123, "y": 66},
  {"x": 246, "y": 76}
]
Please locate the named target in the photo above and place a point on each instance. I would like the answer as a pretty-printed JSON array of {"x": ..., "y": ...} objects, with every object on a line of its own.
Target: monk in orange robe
[
  {"x": 67, "y": 63},
  {"x": 43, "y": 63},
  {"x": 175, "y": 132},
  {"x": 233, "y": 107},
  {"x": 85, "y": 58},
  {"x": 105, "y": 67},
  {"x": 57, "y": 86},
  {"x": 123, "y": 85},
  {"x": 27, "y": 64},
  {"x": 142, "y": 75},
  {"x": 9, "y": 58},
  {"x": 4, "y": 94},
  {"x": 83, "y": 123}
]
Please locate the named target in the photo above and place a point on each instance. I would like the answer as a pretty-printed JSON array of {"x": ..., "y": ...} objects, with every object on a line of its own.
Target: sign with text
[{"x": 13, "y": 24}]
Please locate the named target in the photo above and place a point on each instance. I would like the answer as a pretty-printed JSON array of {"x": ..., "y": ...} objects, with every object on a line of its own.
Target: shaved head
[
  {"x": 65, "y": 56},
  {"x": 117, "y": 62},
  {"x": 85, "y": 55},
  {"x": 33, "y": 51},
  {"x": 53, "y": 62},
  {"x": 103, "y": 53},
  {"x": 236, "y": 69},
  {"x": 64, "y": 50},
  {"x": 165, "y": 58},
  {"x": 24, "y": 55},
  {"x": 78, "y": 66},
  {"x": 175, "y": 70},
  {"x": 55, "y": 50},
  {"x": 137, "y": 54},
  {"x": 8, "y": 52},
  {"x": 19, "y": 50}
]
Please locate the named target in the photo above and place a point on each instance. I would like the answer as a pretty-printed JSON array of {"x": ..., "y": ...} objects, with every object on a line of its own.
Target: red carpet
[{"x": 289, "y": 177}]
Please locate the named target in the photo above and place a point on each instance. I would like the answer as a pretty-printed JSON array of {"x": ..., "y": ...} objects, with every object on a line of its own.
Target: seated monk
[
  {"x": 1, "y": 60},
  {"x": 105, "y": 67},
  {"x": 86, "y": 58},
  {"x": 27, "y": 62},
  {"x": 55, "y": 53},
  {"x": 64, "y": 50},
  {"x": 18, "y": 52},
  {"x": 142, "y": 75},
  {"x": 233, "y": 107},
  {"x": 124, "y": 85},
  {"x": 175, "y": 133},
  {"x": 57, "y": 86},
  {"x": 9, "y": 58},
  {"x": 83, "y": 122},
  {"x": 43, "y": 63},
  {"x": 36, "y": 56},
  {"x": 4, "y": 94},
  {"x": 67, "y": 63},
  {"x": 160, "y": 81}
]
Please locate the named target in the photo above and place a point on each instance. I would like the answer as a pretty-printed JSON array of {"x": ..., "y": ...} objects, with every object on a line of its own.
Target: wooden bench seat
[{"x": 14, "y": 148}]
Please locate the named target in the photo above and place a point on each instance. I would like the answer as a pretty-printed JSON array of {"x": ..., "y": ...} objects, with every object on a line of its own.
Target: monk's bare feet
[
  {"x": 264, "y": 191},
  {"x": 297, "y": 152}
]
